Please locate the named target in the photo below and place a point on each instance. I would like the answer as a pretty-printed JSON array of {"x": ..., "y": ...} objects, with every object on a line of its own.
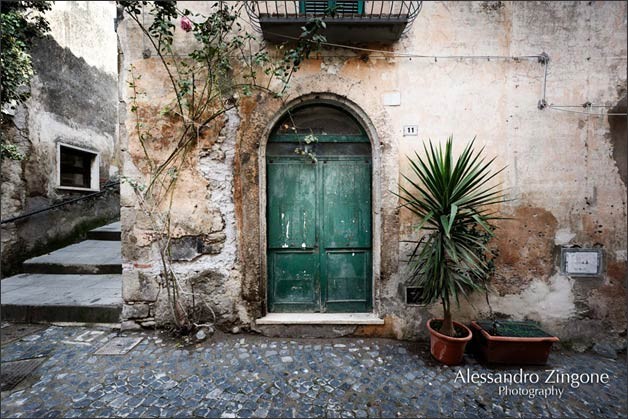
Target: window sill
[{"x": 74, "y": 188}]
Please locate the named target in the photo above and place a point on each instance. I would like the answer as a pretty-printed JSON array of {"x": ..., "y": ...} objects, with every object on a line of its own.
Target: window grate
[{"x": 412, "y": 296}]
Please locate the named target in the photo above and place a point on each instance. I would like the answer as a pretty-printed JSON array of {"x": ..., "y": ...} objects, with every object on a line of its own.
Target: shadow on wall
[{"x": 619, "y": 138}]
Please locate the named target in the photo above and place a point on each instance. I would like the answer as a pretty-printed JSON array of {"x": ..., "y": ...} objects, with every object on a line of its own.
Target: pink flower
[{"x": 186, "y": 24}]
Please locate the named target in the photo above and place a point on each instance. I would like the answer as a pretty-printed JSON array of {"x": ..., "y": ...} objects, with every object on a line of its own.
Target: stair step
[
  {"x": 108, "y": 232},
  {"x": 86, "y": 257},
  {"x": 61, "y": 298}
]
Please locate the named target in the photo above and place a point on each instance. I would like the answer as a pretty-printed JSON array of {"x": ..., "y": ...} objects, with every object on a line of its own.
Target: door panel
[
  {"x": 326, "y": 204},
  {"x": 294, "y": 278},
  {"x": 293, "y": 265},
  {"x": 291, "y": 204},
  {"x": 347, "y": 276},
  {"x": 346, "y": 234},
  {"x": 346, "y": 203}
]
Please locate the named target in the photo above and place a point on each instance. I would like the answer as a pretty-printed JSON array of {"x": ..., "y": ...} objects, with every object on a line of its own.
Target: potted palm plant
[{"x": 453, "y": 201}]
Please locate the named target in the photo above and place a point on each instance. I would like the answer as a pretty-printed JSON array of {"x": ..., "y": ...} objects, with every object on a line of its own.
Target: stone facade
[
  {"x": 565, "y": 170},
  {"x": 73, "y": 101}
]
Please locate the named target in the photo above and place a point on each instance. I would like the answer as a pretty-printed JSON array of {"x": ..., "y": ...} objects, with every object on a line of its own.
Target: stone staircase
[{"x": 78, "y": 283}]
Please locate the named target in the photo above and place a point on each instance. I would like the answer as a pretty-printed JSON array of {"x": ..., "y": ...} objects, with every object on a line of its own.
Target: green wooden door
[{"x": 319, "y": 228}]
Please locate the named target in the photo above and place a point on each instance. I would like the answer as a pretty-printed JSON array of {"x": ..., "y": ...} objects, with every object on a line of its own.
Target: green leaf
[
  {"x": 452, "y": 217},
  {"x": 482, "y": 223}
]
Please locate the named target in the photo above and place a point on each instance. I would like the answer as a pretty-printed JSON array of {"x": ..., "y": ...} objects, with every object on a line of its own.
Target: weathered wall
[
  {"x": 73, "y": 101},
  {"x": 563, "y": 168}
]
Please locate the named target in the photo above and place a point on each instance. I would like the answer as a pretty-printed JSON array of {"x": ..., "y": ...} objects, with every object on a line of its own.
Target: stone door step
[
  {"x": 319, "y": 318},
  {"x": 61, "y": 298},
  {"x": 108, "y": 232},
  {"x": 87, "y": 257}
]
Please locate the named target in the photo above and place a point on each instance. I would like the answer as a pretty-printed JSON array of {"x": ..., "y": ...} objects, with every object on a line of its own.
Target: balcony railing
[{"x": 350, "y": 21}]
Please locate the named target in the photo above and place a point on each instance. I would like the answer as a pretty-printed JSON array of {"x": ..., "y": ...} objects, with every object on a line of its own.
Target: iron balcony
[{"x": 347, "y": 21}]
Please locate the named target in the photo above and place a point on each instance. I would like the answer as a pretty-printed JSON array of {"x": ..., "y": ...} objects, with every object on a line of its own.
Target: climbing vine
[
  {"x": 223, "y": 62},
  {"x": 21, "y": 22}
]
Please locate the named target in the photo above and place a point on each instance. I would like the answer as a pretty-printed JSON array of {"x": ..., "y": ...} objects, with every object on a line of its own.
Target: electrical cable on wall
[
  {"x": 569, "y": 108},
  {"x": 542, "y": 58},
  {"x": 393, "y": 54},
  {"x": 560, "y": 108}
]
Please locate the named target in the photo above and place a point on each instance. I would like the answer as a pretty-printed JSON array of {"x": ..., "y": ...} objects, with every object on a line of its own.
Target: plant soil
[
  {"x": 513, "y": 329},
  {"x": 459, "y": 332}
]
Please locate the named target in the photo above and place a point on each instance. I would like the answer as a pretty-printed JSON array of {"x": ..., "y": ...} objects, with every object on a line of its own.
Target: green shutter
[{"x": 318, "y": 7}]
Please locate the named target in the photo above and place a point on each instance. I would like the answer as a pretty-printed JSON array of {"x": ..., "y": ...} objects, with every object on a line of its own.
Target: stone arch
[{"x": 367, "y": 125}]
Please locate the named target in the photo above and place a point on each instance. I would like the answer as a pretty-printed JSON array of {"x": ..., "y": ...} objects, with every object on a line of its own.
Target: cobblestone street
[{"x": 254, "y": 376}]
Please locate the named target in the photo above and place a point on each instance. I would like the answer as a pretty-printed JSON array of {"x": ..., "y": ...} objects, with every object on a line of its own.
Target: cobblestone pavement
[{"x": 253, "y": 376}]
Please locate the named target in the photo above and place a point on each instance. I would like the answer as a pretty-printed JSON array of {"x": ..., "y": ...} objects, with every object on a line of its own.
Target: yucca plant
[{"x": 454, "y": 202}]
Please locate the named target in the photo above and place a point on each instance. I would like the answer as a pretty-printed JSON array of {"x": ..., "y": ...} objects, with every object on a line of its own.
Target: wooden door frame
[{"x": 376, "y": 182}]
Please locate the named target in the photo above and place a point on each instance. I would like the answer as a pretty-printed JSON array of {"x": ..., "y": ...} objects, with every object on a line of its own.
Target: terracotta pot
[
  {"x": 509, "y": 349},
  {"x": 447, "y": 349}
]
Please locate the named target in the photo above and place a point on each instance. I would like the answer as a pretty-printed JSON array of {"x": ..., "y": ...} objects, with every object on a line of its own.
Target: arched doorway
[{"x": 319, "y": 213}]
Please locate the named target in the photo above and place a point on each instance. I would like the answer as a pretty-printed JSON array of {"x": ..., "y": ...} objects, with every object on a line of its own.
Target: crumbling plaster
[{"x": 564, "y": 186}]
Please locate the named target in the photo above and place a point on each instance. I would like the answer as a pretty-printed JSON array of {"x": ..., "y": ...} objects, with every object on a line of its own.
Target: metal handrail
[
  {"x": 70, "y": 201},
  {"x": 372, "y": 10}
]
